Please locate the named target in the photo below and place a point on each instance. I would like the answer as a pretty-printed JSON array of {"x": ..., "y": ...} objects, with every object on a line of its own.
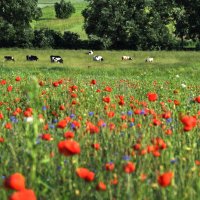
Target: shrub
[{"x": 64, "y": 9}]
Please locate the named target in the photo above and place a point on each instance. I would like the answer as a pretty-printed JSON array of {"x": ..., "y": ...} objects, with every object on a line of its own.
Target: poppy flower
[
  {"x": 109, "y": 166},
  {"x": 62, "y": 124},
  {"x": 152, "y": 96},
  {"x": 18, "y": 78},
  {"x": 114, "y": 181},
  {"x": 46, "y": 137},
  {"x": 69, "y": 147},
  {"x": 197, "y": 99},
  {"x": 62, "y": 107},
  {"x": 108, "y": 89},
  {"x": 93, "y": 82},
  {"x": 96, "y": 146},
  {"x": 106, "y": 99},
  {"x": 25, "y": 194},
  {"x": 69, "y": 134},
  {"x": 1, "y": 115},
  {"x": 9, "y": 88},
  {"x": 15, "y": 182},
  {"x": 129, "y": 167},
  {"x": 3, "y": 82},
  {"x": 8, "y": 125},
  {"x": 189, "y": 122},
  {"x": 197, "y": 162},
  {"x": 55, "y": 84},
  {"x": 164, "y": 179},
  {"x": 101, "y": 186},
  {"x": 1, "y": 140},
  {"x": 111, "y": 114},
  {"x": 85, "y": 174}
]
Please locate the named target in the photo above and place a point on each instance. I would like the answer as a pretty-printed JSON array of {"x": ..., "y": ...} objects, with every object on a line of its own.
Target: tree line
[{"x": 109, "y": 24}]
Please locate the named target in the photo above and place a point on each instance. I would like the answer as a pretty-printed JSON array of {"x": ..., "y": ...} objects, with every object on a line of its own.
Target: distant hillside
[{"x": 48, "y": 20}]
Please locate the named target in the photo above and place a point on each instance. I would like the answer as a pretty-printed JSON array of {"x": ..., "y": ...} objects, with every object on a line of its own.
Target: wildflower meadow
[{"x": 72, "y": 134}]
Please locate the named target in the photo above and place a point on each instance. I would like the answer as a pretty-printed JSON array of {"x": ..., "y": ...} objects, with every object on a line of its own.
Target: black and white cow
[
  {"x": 98, "y": 58},
  {"x": 90, "y": 52},
  {"x": 126, "y": 58},
  {"x": 57, "y": 59},
  {"x": 9, "y": 58},
  {"x": 31, "y": 58}
]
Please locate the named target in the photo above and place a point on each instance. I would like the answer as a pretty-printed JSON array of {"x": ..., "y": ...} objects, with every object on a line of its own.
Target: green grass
[
  {"x": 165, "y": 63},
  {"x": 73, "y": 24},
  {"x": 54, "y": 178}
]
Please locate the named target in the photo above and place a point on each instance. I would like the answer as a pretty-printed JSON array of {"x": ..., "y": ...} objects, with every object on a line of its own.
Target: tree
[
  {"x": 16, "y": 16},
  {"x": 64, "y": 9},
  {"x": 128, "y": 23},
  {"x": 191, "y": 9},
  {"x": 18, "y": 12}
]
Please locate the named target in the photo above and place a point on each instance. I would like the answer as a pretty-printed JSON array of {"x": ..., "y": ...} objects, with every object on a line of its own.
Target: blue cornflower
[
  {"x": 72, "y": 116},
  {"x": 44, "y": 108},
  {"x": 126, "y": 157},
  {"x": 54, "y": 120},
  {"x": 169, "y": 120},
  {"x": 131, "y": 124},
  {"x": 130, "y": 112},
  {"x": 91, "y": 113},
  {"x": 13, "y": 119},
  {"x": 51, "y": 126}
]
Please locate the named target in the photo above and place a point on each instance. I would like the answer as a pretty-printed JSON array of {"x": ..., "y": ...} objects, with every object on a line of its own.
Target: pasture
[
  {"x": 73, "y": 24},
  {"x": 115, "y": 130}
]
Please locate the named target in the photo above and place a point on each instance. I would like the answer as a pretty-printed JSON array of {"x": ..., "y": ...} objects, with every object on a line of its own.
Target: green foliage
[
  {"x": 64, "y": 9},
  {"x": 123, "y": 24}
]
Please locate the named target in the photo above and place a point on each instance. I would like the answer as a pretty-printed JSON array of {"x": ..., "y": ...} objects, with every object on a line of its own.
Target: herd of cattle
[{"x": 58, "y": 59}]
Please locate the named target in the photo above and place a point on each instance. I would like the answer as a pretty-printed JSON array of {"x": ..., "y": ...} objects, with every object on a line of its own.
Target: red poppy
[
  {"x": 197, "y": 99},
  {"x": 1, "y": 115},
  {"x": 111, "y": 114},
  {"x": 62, "y": 107},
  {"x": 101, "y": 186},
  {"x": 9, "y": 88},
  {"x": 109, "y": 166},
  {"x": 85, "y": 174},
  {"x": 129, "y": 167},
  {"x": 8, "y": 125},
  {"x": 69, "y": 147},
  {"x": 164, "y": 179},
  {"x": 93, "y": 82},
  {"x": 197, "y": 162},
  {"x": 3, "y": 82},
  {"x": 152, "y": 96},
  {"x": 108, "y": 89},
  {"x": 114, "y": 181},
  {"x": 106, "y": 99},
  {"x": 46, "y": 137},
  {"x": 25, "y": 194},
  {"x": 1, "y": 140},
  {"x": 112, "y": 126},
  {"x": 189, "y": 122},
  {"x": 62, "y": 124},
  {"x": 69, "y": 134},
  {"x": 96, "y": 146},
  {"x": 55, "y": 84},
  {"x": 18, "y": 78},
  {"x": 15, "y": 182}
]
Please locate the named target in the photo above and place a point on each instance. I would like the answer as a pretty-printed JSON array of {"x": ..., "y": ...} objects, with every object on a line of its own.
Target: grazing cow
[
  {"x": 9, "y": 58},
  {"x": 98, "y": 58},
  {"x": 57, "y": 59},
  {"x": 31, "y": 58},
  {"x": 126, "y": 58},
  {"x": 149, "y": 59},
  {"x": 91, "y": 52}
]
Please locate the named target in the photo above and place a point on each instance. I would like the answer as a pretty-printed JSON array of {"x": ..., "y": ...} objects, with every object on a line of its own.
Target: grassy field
[
  {"x": 73, "y": 24},
  {"x": 164, "y": 62},
  {"x": 115, "y": 130}
]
